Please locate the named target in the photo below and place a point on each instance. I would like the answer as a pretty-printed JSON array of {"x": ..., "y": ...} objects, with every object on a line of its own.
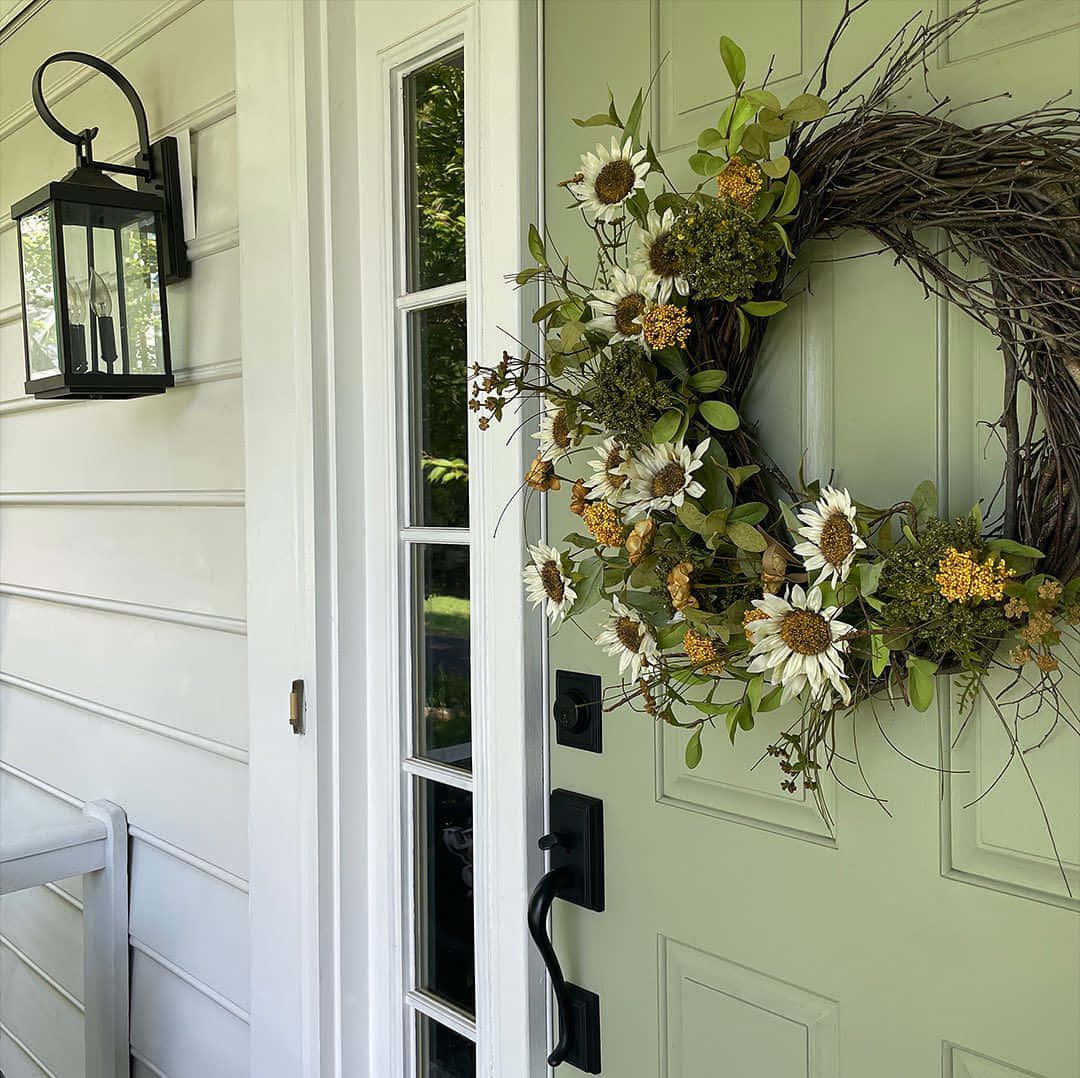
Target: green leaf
[
  {"x": 764, "y": 308},
  {"x": 548, "y": 309},
  {"x": 693, "y": 749},
  {"x": 790, "y": 519},
  {"x": 792, "y": 190},
  {"x": 743, "y": 472},
  {"x": 699, "y": 162},
  {"x": 671, "y": 636},
  {"x": 750, "y": 512},
  {"x": 720, "y": 415},
  {"x": 690, "y": 515},
  {"x": 764, "y": 99},
  {"x": 1010, "y": 546},
  {"x": 921, "y": 682},
  {"x": 755, "y": 142},
  {"x": 744, "y": 716},
  {"x": 746, "y": 537},
  {"x": 734, "y": 60},
  {"x": 777, "y": 168},
  {"x": 784, "y": 236},
  {"x": 536, "y": 245},
  {"x": 925, "y": 500},
  {"x": 665, "y": 427},
  {"x": 710, "y": 138},
  {"x": 633, "y": 121},
  {"x": 589, "y": 589},
  {"x": 526, "y": 275},
  {"x": 771, "y": 701},
  {"x": 707, "y": 381},
  {"x": 869, "y": 575},
  {"x": 715, "y": 522},
  {"x": 744, "y": 330},
  {"x": 879, "y": 654},
  {"x": 601, "y": 119},
  {"x": 804, "y": 108}
]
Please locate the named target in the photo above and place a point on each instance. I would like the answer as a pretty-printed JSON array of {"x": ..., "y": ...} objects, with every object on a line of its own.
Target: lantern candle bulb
[
  {"x": 101, "y": 305},
  {"x": 77, "y": 320}
]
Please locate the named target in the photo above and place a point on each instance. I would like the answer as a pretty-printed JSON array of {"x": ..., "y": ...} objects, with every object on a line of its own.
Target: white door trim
[{"x": 324, "y": 817}]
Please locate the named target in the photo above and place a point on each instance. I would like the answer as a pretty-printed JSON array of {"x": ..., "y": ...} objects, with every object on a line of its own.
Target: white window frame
[{"x": 325, "y": 816}]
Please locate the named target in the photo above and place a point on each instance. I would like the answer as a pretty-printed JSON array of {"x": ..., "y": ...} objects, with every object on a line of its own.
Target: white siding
[{"x": 122, "y": 578}]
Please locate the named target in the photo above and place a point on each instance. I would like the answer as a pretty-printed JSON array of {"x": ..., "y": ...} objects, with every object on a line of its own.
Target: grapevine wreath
[{"x": 731, "y": 588}]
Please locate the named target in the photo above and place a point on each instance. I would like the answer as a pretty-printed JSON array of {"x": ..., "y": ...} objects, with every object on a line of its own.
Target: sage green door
[{"x": 742, "y": 938}]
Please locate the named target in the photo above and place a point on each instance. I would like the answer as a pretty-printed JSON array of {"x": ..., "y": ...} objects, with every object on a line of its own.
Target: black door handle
[
  {"x": 551, "y": 884},
  {"x": 576, "y": 845}
]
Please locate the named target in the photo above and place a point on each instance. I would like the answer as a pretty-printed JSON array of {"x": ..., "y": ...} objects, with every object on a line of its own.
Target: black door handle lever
[
  {"x": 576, "y": 845},
  {"x": 551, "y": 884}
]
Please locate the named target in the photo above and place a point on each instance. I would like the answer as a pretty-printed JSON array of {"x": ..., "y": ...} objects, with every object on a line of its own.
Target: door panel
[{"x": 743, "y": 937}]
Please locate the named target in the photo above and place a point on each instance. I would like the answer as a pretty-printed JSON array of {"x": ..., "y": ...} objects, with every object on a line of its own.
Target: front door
[{"x": 742, "y": 935}]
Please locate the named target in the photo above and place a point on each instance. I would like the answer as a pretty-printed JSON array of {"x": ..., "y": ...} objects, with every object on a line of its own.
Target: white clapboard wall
[{"x": 122, "y": 646}]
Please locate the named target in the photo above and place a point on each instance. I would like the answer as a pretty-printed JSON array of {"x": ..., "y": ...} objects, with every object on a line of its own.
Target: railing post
[{"x": 106, "y": 963}]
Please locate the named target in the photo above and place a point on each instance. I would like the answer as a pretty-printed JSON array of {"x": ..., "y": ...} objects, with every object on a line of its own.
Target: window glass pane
[
  {"x": 42, "y": 331},
  {"x": 435, "y": 181},
  {"x": 439, "y": 349},
  {"x": 442, "y": 1053},
  {"x": 446, "y": 965},
  {"x": 444, "y": 729}
]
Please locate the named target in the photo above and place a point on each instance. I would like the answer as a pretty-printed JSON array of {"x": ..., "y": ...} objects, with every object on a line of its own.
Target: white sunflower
[
  {"x": 626, "y": 635},
  {"x": 609, "y": 477},
  {"x": 547, "y": 581},
  {"x": 831, "y": 536},
  {"x": 662, "y": 477},
  {"x": 617, "y": 310},
  {"x": 655, "y": 255},
  {"x": 798, "y": 644},
  {"x": 556, "y": 436},
  {"x": 609, "y": 178}
]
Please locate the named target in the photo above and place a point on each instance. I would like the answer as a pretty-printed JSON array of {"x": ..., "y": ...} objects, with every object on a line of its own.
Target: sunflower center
[
  {"x": 663, "y": 260},
  {"x": 629, "y": 633},
  {"x": 614, "y": 460},
  {"x": 627, "y": 312},
  {"x": 669, "y": 480},
  {"x": 836, "y": 541},
  {"x": 615, "y": 181},
  {"x": 552, "y": 581},
  {"x": 560, "y": 430},
  {"x": 806, "y": 632}
]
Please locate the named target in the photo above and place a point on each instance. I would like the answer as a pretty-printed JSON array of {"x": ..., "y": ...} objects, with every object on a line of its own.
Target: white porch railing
[{"x": 95, "y": 847}]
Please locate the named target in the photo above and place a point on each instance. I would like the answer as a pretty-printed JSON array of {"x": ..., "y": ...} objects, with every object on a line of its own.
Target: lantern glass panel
[
  {"x": 113, "y": 280},
  {"x": 142, "y": 284},
  {"x": 39, "y": 293}
]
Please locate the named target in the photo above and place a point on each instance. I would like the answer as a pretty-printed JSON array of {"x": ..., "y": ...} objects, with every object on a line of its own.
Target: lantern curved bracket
[{"x": 83, "y": 140}]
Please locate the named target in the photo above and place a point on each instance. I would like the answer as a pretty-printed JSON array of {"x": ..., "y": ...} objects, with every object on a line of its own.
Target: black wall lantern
[{"x": 94, "y": 258}]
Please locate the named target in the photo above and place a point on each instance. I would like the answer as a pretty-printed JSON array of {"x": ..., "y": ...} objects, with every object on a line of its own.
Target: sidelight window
[{"x": 437, "y": 780}]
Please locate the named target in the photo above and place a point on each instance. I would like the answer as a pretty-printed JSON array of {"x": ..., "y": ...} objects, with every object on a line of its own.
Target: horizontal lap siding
[{"x": 122, "y": 580}]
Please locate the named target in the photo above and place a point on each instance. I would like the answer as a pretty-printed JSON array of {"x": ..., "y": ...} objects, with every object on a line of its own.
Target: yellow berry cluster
[
  {"x": 700, "y": 650},
  {"x": 741, "y": 183},
  {"x": 960, "y": 577},
  {"x": 665, "y": 325},
  {"x": 603, "y": 522}
]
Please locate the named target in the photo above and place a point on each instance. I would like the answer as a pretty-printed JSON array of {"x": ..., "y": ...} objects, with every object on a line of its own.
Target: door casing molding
[{"x": 324, "y": 807}]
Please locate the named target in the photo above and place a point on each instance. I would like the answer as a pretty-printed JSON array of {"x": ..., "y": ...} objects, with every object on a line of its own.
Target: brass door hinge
[{"x": 296, "y": 706}]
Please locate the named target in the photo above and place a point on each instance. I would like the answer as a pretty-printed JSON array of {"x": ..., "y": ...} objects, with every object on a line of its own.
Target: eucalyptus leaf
[
  {"x": 764, "y": 308},
  {"x": 777, "y": 168},
  {"x": 720, "y": 415},
  {"x": 755, "y": 142},
  {"x": 665, "y": 427},
  {"x": 710, "y": 138},
  {"x": 804, "y": 108},
  {"x": 746, "y": 537},
  {"x": 707, "y": 381},
  {"x": 764, "y": 99},
  {"x": 699, "y": 162},
  {"x": 792, "y": 190},
  {"x": 734, "y": 60},
  {"x": 921, "y": 682}
]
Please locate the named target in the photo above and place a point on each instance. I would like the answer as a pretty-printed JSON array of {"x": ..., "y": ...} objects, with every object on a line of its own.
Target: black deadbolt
[{"x": 577, "y": 710}]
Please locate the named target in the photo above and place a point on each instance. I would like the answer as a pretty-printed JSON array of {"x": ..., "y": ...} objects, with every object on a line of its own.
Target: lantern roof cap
[{"x": 91, "y": 186}]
